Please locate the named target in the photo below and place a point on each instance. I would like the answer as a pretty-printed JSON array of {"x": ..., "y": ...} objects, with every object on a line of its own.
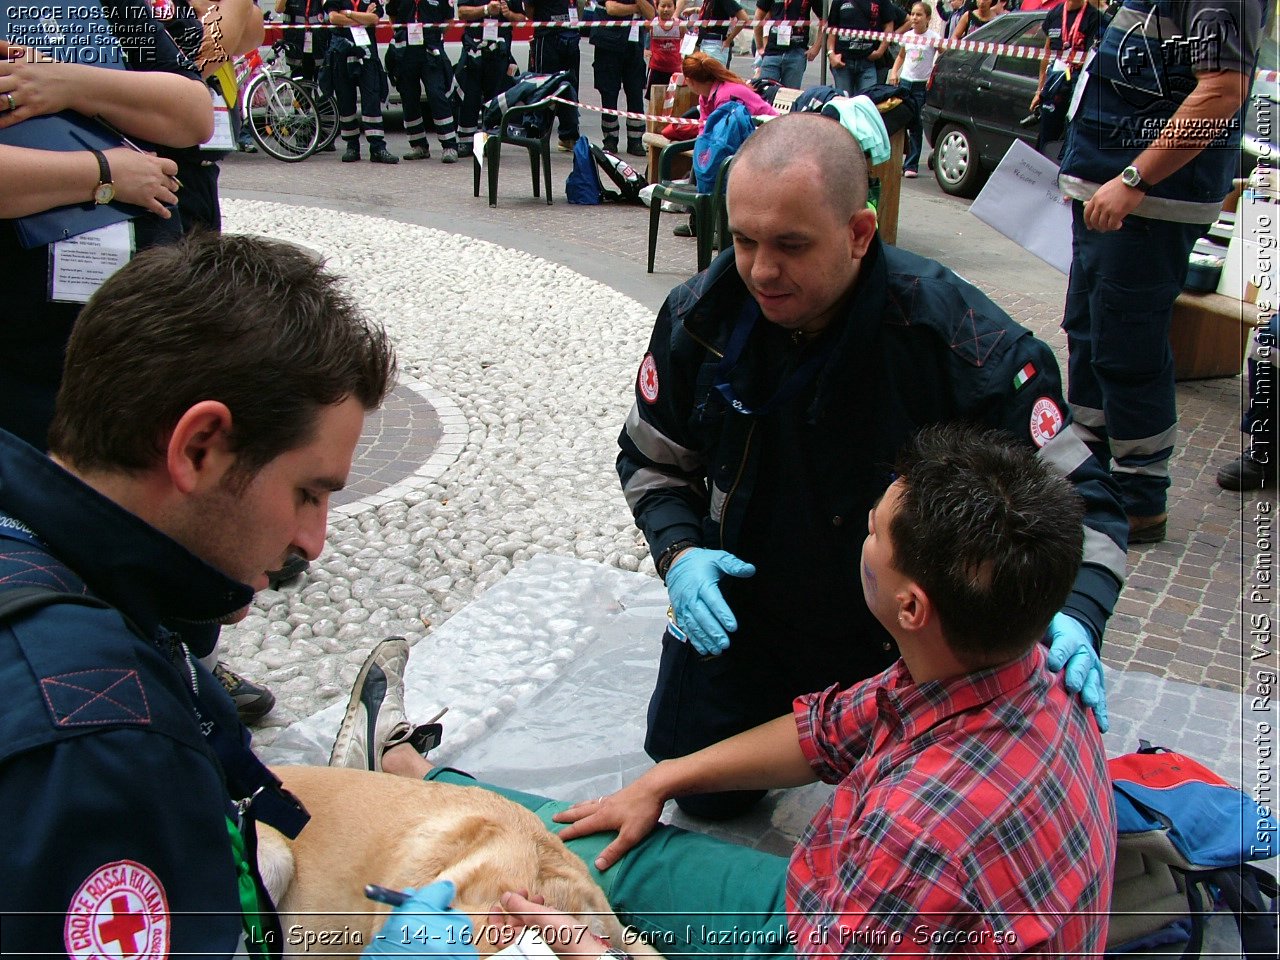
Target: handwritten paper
[{"x": 1021, "y": 200}]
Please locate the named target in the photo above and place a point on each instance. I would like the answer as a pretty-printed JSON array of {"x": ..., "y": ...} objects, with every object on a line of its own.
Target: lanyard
[
  {"x": 797, "y": 381},
  {"x": 1075, "y": 37}
]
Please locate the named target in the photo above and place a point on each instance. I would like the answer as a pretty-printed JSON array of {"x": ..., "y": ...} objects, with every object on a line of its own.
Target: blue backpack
[
  {"x": 583, "y": 185},
  {"x": 1185, "y": 839},
  {"x": 725, "y": 130}
]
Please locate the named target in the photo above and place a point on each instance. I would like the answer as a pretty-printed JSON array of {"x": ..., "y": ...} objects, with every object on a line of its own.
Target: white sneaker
[{"x": 375, "y": 719}]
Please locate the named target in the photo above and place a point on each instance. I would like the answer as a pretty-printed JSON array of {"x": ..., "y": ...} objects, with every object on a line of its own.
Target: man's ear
[
  {"x": 198, "y": 454},
  {"x": 862, "y": 227},
  {"x": 915, "y": 611}
]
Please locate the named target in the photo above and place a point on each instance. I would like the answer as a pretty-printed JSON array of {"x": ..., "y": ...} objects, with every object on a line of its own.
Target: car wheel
[{"x": 955, "y": 162}]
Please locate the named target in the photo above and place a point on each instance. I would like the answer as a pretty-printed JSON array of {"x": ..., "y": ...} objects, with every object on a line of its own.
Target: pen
[{"x": 380, "y": 894}]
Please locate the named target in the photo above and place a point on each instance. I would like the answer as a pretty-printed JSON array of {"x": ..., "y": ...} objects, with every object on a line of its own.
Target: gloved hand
[
  {"x": 693, "y": 583},
  {"x": 1071, "y": 644},
  {"x": 425, "y": 925}
]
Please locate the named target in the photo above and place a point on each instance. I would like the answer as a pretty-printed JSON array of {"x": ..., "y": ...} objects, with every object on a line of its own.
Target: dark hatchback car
[
  {"x": 973, "y": 108},
  {"x": 972, "y": 113}
]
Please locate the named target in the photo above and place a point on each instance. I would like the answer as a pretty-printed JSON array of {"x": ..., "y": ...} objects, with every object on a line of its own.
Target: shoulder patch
[
  {"x": 647, "y": 380},
  {"x": 1046, "y": 421},
  {"x": 121, "y": 910},
  {"x": 91, "y": 697}
]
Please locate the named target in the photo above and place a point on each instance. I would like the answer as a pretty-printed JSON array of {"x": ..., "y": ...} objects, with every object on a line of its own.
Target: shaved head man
[{"x": 779, "y": 386}]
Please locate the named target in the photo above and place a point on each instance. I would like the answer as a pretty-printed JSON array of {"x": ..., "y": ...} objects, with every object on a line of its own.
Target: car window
[{"x": 1029, "y": 36}]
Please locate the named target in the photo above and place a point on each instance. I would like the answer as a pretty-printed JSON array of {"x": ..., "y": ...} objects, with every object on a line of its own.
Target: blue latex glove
[
  {"x": 425, "y": 925},
  {"x": 1071, "y": 644},
  {"x": 693, "y": 583}
]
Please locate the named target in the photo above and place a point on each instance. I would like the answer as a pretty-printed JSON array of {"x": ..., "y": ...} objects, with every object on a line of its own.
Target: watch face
[
  {"x": 1131, "y": 176},
  {"x": 104, "y": 193}
]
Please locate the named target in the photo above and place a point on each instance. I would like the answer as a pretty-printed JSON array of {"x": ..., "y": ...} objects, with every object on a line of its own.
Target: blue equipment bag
[
  {"x": 583, "y": 184},
  {"x": 1185, "y": 839}
]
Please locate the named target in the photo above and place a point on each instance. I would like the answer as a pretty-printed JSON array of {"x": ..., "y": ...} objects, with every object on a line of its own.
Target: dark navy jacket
[
  {"x": 113, "y": 801},
  {"x": 1145, "y": 67},
  {"x": 790, "y": 491}
]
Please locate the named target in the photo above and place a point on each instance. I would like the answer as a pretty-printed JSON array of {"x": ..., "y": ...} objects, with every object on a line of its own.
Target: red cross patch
[
  {"x": 647, "y": 380},
  {"x": 1046, "y": 421},
  {"x": 119, "y": 911}
]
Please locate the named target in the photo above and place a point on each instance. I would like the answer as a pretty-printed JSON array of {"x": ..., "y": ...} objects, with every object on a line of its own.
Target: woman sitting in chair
[{"x": 714, "y": 84}]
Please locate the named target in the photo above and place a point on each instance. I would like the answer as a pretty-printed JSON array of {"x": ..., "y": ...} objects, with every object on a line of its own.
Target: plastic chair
[
  {"x": 539, "y": 148},
  {"x": 707, "y": 207}
]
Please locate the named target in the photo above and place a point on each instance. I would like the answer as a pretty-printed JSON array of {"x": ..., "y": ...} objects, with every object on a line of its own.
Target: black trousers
[
  {"x": 482, "y": 75},
  {"x": 550, "y": 52},
  {"x": 620, "y": 68},
  {"x": 367, "y": 79},
  {"x": 419, "y": 67}
]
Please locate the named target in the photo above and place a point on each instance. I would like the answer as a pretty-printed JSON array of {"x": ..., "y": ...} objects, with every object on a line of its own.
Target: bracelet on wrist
[{"x": 668, "y": 556}]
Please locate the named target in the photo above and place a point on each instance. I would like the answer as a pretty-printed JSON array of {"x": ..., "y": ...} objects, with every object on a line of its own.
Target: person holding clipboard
[{"x": 81, "y": 106}]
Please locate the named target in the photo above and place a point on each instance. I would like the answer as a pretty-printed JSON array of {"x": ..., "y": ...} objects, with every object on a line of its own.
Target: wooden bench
[{"x": 1210, "y": 334}]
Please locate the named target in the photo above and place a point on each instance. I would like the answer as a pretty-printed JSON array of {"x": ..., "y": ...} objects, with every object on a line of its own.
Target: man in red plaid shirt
[{"x": 972, "y": 811}]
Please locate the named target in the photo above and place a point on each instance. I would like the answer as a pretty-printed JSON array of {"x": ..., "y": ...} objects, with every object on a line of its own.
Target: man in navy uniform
[
  {"x": 1150, "y": 155},
  {"x": 354, "y": 55},
  {"x": 619, "y": 65},
  {"x": 555, "y": 49},
  {"x": 486, "y": 67},
  {"x": 421, "y": 62},
  {"x": 778, "y": 388}
]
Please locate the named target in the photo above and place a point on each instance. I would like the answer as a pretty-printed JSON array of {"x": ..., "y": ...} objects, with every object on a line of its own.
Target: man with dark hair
[
  {"x": 972, "y": 810},
  {"x": 778, "y": 388},
  {"x": 213, "y": 395}
]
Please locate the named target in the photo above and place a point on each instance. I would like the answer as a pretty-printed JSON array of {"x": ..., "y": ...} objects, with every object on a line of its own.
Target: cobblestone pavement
[{"x": 1180, "y": 615}]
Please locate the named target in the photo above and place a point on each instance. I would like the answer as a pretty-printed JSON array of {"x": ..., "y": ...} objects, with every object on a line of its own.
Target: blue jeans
[
  {"x": 854, "y": 77},
  {"x": 717, "y": 48},
  {"x": 916, "y": 90},
  {"x": 786, "y": 68},
  {"x": 1119, "y": 367}
]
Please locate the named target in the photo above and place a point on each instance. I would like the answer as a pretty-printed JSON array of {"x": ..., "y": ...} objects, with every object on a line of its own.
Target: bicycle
[{"x": 283, "y": 115}]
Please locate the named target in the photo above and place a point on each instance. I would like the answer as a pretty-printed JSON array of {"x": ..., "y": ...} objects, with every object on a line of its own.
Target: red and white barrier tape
[{"x": 626, "y": 114}]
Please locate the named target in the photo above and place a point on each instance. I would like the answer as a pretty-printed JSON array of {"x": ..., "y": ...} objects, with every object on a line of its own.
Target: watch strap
[{"x": 104, "y": 169}]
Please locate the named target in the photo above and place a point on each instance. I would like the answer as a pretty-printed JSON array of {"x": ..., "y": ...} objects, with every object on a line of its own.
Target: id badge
[
  {"x": 689, "y": 43},
  {"x": 306, "y": 41},
  {"x": 360, "y": 37},
  {"x": 80, "y": 265},
  {"x": 490, "y": 30},
  {"x": 784, "y": 34},
  {"x": 634, "y": 35},
  {"x": 573, "y": 15},
  {"x": 415, "y": 34},
  {"x": 222, "y": 138}
]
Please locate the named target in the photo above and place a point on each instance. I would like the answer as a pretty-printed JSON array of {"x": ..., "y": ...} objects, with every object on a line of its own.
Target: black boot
[
  {"x": 1246, "y": 473},
  {"x": 378, "y": 153},
  {"x": 635, "y": 147},
  {"x": 352, "y": 153},
  {"x": 611, "y": 143}
]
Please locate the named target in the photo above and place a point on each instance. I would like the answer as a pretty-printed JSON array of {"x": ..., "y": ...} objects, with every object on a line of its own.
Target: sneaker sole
[{"x": 358, "y": 696}]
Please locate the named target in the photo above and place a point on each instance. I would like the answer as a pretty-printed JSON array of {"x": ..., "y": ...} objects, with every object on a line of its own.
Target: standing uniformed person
[
  {"x": 421, "y": 62},
  {"x": 354, "y": 51},
  {"x": 486, "y": 66},
  {"x": 554, "y": 49},
  {"x": 307, "y": 41},
  {"x": 619, "y": 64}
]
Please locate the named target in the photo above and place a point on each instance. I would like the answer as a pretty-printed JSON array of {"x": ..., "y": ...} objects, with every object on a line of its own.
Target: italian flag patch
[{"x": 1025, "y": 374}]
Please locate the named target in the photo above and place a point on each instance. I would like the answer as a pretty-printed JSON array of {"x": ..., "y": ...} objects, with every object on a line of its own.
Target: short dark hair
[
  {"x": 992, "y": 534},
  {"x": 256, "y": 324},
  {"x": 798, "y": 137}
]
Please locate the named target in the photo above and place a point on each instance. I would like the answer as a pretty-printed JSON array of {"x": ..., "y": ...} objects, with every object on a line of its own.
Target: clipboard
[{"x": 85, "y": 38}]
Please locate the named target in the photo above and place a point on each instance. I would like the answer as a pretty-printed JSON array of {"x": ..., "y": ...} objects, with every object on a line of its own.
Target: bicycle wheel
[
  {"x": 327, "y": 108},
  {"x": 282, "y": 117}
]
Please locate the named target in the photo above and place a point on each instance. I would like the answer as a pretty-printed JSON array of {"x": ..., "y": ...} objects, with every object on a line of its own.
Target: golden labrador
[{"x": 377, "y": 828}]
